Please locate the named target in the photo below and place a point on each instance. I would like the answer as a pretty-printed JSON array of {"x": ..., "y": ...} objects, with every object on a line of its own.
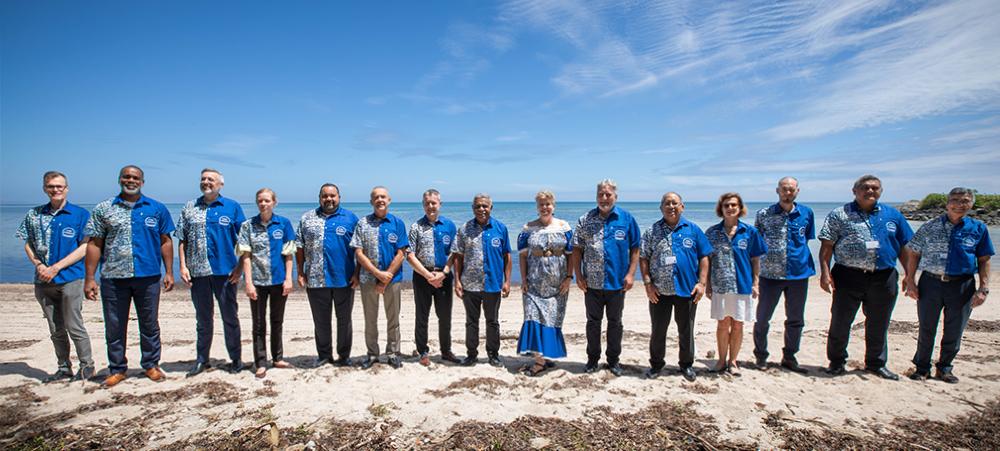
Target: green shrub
[
  {"x": 988, "y": 201},
  {"x": 934, "y": 200},
  {"x": 983, "y": 201}
]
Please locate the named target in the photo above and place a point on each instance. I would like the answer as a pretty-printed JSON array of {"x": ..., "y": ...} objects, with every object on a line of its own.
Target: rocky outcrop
[{"x": 911, "y": 210}]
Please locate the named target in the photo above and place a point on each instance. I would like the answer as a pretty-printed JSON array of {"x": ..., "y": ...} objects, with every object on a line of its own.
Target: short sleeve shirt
[
  {"x": 325, "y": 240},
  {"x": 431, "y": 243},
  {"x": 131, "y": 236},
  {"x": 209, "y": 234},
  {"x": 267, "y": 244},
  {"x": 606, "y": 244},
  {"x": 53, "y": 235},
  {"x": 673, "y": 254},
  {"x": 379, "y": 239},
  {"x": 951, "y": 249},
  {"x": 483, "y": 248},
  {"x": 866, "y": 241},
  {"x": 787, "y": 235},
  {"x": 731, "y": 268}
]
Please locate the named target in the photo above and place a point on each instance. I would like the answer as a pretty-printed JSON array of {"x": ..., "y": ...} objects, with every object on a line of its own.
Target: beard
[{"x": 130, "y": 191}]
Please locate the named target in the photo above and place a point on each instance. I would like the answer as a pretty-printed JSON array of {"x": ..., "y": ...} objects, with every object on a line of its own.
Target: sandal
[
  {"x": 281, "y": 364},
  {"x": 261, "y": 372}
]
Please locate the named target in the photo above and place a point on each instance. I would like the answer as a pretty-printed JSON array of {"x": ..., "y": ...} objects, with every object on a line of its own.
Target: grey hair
[
  {"x": 788, "y": 178},
  {"x": 962, "y": 191},
  {"x": 51, "y": 175},
  {"x": 664, "y": 198},
  {"x": 866, "y": 178},
  {"x": 378, "y": 187},
  {"x": 545, "y": 194},
  {"x": 482, "y": 196},
  {"x": 222, "y": 179},
  {"x": 431, "y": 192},
  {"x": 608, "y": 183}
]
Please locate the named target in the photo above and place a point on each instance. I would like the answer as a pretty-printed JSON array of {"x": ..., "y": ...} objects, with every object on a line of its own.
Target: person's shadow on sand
[{"x": 22, "y": 369}]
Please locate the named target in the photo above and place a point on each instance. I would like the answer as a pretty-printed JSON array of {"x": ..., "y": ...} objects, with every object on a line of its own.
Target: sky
[{"x": 503, "y": 97}]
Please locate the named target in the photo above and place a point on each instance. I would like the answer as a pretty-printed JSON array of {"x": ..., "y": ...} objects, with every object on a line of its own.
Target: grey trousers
[
  {"x": 369, "y": 301},
  {"x": 62, "y": 305}
]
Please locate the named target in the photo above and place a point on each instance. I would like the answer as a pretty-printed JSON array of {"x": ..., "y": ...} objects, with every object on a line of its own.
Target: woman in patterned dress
[
  {"x": 733, "y": 269},
  {"x": 544, "y": 246},
  {"x": 266, "y": 244}
]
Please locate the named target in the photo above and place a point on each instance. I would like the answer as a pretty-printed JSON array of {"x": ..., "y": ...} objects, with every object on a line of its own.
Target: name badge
[
  {"x": 669, "y": 260},
  {"x": 871, "y": 244}
]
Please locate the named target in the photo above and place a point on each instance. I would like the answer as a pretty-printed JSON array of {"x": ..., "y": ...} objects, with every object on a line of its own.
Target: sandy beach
[{"x": 447, "y": 406}]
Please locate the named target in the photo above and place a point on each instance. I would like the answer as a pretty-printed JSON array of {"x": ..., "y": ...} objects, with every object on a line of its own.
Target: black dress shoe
[
  {"x": 793, "y": 366},
  {"x": 946, "y": 376},
  {"x": 58, "y": 376},
  {"x": 395, "y": 362},
  {"x": 342, "y": 362},
  {"x": 235, "y": 367},
  {"x": 616, "y": 369},
  {"x": 920, "y": 375},
  {"x": 368, "y": 362},
  {"x": 495, "y": 361},
  {"x": 198, "y": 368},
  {"x": 688, "y": 374},
  {"x": 884, "y": 373},
  {"x": 469, "y": 361},
  {"x": 836, "y": 370},
  {"x": 590, "y": 368},
  {"x": 652, "y": 374},
  {"x": 761, "y": 363},
  {"x": 85, "y": 374},
  {"x": 450, "y": 357},
  {"x": 321, "y": 362}
]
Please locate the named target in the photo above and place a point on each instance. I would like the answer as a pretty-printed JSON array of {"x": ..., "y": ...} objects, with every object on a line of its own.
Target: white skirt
[{"x": 738, "y": 306}]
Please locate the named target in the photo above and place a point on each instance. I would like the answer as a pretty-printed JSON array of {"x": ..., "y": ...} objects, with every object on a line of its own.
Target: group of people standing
[{"x": 733, "y": 263}]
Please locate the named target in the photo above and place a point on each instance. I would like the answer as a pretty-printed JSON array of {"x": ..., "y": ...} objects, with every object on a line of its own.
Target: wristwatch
[{"x": 984, "y": 290}]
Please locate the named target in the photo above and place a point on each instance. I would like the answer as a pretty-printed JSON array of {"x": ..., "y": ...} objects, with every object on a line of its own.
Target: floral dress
[{"x": 547, "y": 248}]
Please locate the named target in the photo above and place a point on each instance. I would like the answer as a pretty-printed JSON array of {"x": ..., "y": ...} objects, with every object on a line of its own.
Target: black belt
[
  {"x": 866, "y": 271},
  {"x": 947, "y": 278}
]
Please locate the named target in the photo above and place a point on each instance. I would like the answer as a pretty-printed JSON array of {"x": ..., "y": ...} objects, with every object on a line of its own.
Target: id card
[
  {"x": 669, "y": 260},
  {"x": 871, "y": 244}
]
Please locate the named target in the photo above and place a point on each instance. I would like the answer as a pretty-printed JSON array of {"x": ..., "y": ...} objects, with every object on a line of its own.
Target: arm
[
  {"x": 633, "y": 261},
  {"x": 508, "y": 265},
  {"x": 825, "y": 256},
  {"x": 67, "y": 261},
  {"x": 396, "y": 264},
  {"x": 300, "y": 260},
  {"x": 699, "y": 288},
  {"x": 984, "y": 281},
  {"x": 458, "y": 262},
  {"x": 755, "y": 266},
  {"x": 522, "y": 258},
  {"x": 910, "y": 264},
  {"x": 576, "y": 262},
  {"x": 185, "y": 274},
  {"x": 366, "y": 263},
  {"x": 37, "y": 262},
  {"x": 167, "y": 249},
  {"x": 248, "y": 269},
  {"x": 647, "y": 281}
]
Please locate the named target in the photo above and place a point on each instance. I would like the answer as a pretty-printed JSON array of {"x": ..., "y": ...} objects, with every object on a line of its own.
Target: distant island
[{"x": 987, "y": 208}]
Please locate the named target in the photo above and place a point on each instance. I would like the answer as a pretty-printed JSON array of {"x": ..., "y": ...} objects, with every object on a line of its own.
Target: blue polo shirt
[
  {"x": 483, "y": 248},
  {"x": 606, "y": 244},
  {"x": 731, "y": 268},
  {"x": 53, "y": 235},
  {"x": 209, "y": 232},
  {"x": 131, "y": 236},
  {"x": 325, "y": 240},
  {"x": 787, "y": 235},
  {"x": 379, "y": 239},
  {"x": 267, "y": 245},
  {"x": 673, "y": 255},
  {"x": 952, "y": 249},
  {"x": 851, "y": 229}
]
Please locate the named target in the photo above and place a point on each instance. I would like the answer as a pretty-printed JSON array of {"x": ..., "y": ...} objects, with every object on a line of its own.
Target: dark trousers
[
  {"x": 117, "y": 296},
  {"x": 659, "y": 315},
  {"x": 795, "y": 292},
  {"x": 489, "y": 303},
  {"x": 323, "y": 302},
  {"x": 424, "y": 295},
  {"x": 955, "y": 297},
  {"x": 875, "y": 292},
  {"x": 597, "y": 302},
  {"x": 203, "y": 289},
  {"x": 258, "y": 311}
]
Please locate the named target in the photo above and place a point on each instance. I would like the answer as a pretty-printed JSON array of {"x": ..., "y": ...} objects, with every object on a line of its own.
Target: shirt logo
[
  {"x": 224, "y": 220},
  {"x": 278, "y": 234},
  {"x": 393, "y": 238},
  {"x": 341, "y": 230},
  {"x": 969, "y": 243},
  {"x": 802, "y": 231},
  {"x": 619, "y": 235},
  {"x": 69, "y": 232},
  {"x": 495, "y": 242},
  {"x": 151, "y": 222},
  {"x": 688, "y": 243},
  {"x": 890, "y": 227},
  {"x": 446, "y": 240},
  {"x": 742, "y": 244}
]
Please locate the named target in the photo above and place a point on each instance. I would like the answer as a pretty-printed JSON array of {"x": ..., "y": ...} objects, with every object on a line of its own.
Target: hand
[
  {"x": 505, "y": 289},
  {"x": 168, "y": 282},
  {"x": 384, "y": 276},
  {"x": 302, "y": 281},
  {"x": 629, "y": 280},
  {"x": 911, "y": 288},
  {"x": 826, "y": 282},
  {"x": 458, "y": 288},
  {"x": 287, "y": 287},
  {"x": 437, "y": 279},
  {"x": 581, "y": 284},
  {"x": 651, "y": 293},
  {"x": 698, "y": 292},
  {"x": 234, "y": 277},
  {"x": 90, "y": 289},
  {"x": 251, "y": 291},
  {"x": 564, "y": 286},
  {"x": 755, "y": 291},
  {"x": 355, "y": 282},
  {"x": 978, "y": 299},
  {"x": 380, "y": 288},
  {"x": 524, "y": 286},
  {"x": 47, "y": 273},
  {"x": 185, "y": 276}
]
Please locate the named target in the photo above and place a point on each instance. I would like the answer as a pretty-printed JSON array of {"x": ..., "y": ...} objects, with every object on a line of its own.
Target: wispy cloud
[
  {"x": 512, "y": 137},
  {"x": 468, "y": 49},
  {"x": 235, "y": 150}
]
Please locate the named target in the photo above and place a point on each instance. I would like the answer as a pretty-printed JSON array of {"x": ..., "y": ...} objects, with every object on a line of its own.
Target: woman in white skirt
[{"x": 733, "y": 269}]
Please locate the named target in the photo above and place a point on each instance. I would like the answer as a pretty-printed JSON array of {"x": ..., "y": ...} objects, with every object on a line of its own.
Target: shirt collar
[
  {"x": 142, "y": 200},
  {"x": 257, "y": 219},
  {"x": 776, "y": 209},
  {"x": 338, "y": 211},
  {"x": 489, "y": 223},
  {"x": 681, "y": 222},
  {"x": 373, "y": 217},
  {"x": 47, "y": 209},
  {"x": 436, "y": 222},
  {"x": 962, "y": 223},
  {"x": 740, "y": 225},
  {"x": 217, "y": 201},
  {"x": 875, "y": 210}
]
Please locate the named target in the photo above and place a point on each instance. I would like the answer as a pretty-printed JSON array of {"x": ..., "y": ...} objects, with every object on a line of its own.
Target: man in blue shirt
[
  {"x": 55, "y": 244},
  {"x": 207, "y": 231},
  {"x": 865, "y": 237},
  {"x": 327, "y": 270},
  {"x": 605, "y": 254},
  {"x": 430, "y": 244},
  {"x": 482, "y": 276},
  {"x": 674, "y": 265},
  {"x": 130, "y": 237},
  {"x": 949, "y": 251},
  {"x": 787, "y": 227},
  {"x": 380, "y": 245}
]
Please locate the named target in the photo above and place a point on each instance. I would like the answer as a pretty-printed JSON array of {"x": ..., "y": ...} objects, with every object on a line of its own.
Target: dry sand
[{"x": 418, "y": 406}]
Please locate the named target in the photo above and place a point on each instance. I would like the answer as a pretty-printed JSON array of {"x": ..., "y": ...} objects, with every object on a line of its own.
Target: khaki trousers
[{"x": 369, "y": 301}]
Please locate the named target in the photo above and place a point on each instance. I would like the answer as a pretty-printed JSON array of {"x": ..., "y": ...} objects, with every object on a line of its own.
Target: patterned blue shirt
[
  {"x": 431, "y": 243},
  {"x": 787, "y": 235},
  {"x": 731, "y": 267},
  {"x": 483, "y": 249},
  {"x": 267, "y": 245},
  {"x": 606, "y": 244},
  {"x": 951, "y": 249},
  {"x": 209, "y": 235},
  {"x": 131, "y": 236},
  {"x": 325, "y": 240},
  {"x": 53, "y": 235},
  {"x": 379, "y": 239},
  {"x": 673, "y": 254},
  {"x": 866, "y": 241}
]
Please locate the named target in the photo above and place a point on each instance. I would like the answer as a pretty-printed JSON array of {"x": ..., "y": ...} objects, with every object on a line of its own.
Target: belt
[
  {"x": 547, "y": 253},
  {"x": 866, "y": 271},
  {"x": 947, "y": 278}
]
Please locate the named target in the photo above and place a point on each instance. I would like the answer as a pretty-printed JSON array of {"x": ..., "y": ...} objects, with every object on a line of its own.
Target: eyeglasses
[{"x": 55, "y": 187}]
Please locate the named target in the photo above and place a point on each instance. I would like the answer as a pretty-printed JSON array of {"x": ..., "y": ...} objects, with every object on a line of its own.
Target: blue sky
[{"x": 507, "y": 97}]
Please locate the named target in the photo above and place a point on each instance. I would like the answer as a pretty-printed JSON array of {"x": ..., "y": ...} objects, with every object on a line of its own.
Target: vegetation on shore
[{"x": 983, "y": 201}]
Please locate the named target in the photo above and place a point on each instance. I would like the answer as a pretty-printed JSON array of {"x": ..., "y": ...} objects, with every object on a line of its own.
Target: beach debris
[{"x": 539, "y": 443}]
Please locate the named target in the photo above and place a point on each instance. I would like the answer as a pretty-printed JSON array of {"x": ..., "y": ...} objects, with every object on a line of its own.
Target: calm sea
[{"x": 14, "y": 266}]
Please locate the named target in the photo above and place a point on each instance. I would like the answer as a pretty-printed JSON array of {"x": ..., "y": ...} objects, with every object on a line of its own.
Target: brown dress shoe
[
  {"x": 155, "y": 374},
  {"x": 425, "y": 360},
  {"x": 113, "y": 379},
  {"x": 282, "y": 364}
]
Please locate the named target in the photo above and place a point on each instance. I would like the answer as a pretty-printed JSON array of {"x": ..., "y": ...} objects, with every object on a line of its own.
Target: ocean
[{"x": 15, "y": 268}]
